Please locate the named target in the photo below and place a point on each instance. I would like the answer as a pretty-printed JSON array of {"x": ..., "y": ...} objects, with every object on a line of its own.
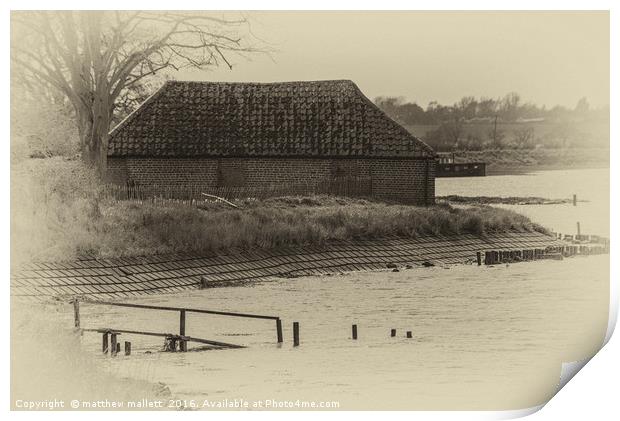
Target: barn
[{"x": 212, "y": 134}]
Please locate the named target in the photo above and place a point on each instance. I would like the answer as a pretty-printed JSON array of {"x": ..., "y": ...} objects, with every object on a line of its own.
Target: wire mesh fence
[{"x": 189, "y": 194}]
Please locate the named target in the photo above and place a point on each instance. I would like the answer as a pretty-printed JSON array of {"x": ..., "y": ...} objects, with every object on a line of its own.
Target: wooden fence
[
  {"x": 171, "y": 339},
  {"x": 192, "y": 193}
]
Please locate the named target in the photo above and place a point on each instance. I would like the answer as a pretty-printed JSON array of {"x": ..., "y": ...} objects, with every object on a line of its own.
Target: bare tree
[
  {"x": 509, "y": 106},
  {"x": 524, "y": 137},
  {"x": 467, "y": 107},
  {"x": 496, "y": 135},
  {"x": 454, "y": 129},
  {"x": 454, "y": 126},
  {"x": 96, "y": 58}
]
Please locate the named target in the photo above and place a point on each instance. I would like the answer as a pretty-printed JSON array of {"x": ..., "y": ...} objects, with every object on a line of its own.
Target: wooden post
[
  {"x": 76, "y": 312},
  {"x": 118, "y": 347},
  {"x": 279, "y": 330},
  {"x": 295, "y": 333},
  {"x": 426, "y": 182},
  {"x": 170, "y": 344},
  {"x": 354, "y": 331},
  {"x": 479, "y": 258},
  {"x": 127, "y": 348},
  {"x": 578, "y": 231},
  {"x": 574, "y": 200},
  {"x": 113, "y": 344},
  {"x": 409, "y": 335},
  {"x": 393, "y": 333},
  {"x": 105, "y": 343},
  {"x": 182, "y": 344}
]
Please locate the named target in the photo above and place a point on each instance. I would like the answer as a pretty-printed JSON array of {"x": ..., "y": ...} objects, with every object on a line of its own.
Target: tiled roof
[{"x": 310, "y": 119}]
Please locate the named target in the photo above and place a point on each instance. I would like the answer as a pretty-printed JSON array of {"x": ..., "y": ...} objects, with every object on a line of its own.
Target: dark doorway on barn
[{"x": 230, "y": 173}]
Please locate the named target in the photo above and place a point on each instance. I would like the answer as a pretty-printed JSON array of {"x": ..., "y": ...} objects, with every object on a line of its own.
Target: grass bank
[
  {"x": 495, "y": 200},
  {"x": 56, "y": 215}
]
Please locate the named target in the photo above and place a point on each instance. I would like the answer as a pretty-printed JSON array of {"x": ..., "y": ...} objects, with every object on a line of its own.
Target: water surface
[
  {"x": 483, "y": 337},
  {"x": 590, "y": 185}
]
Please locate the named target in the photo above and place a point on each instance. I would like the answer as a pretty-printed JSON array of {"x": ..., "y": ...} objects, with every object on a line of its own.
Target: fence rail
[
  {"x": 181, "y": 337},
  {"x": 188, "y": 193}
]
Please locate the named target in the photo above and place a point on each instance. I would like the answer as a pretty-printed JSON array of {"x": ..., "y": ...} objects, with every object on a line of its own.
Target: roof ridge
[{"x": 221, "y": 82}]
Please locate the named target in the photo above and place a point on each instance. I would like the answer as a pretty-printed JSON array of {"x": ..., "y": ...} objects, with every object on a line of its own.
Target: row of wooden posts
[
  {"x": 194, "y": 194},
  {"x": 555, "y": 253},
  {"x": 115, "y": 347},
  {"x": 509, "y": 256},
  {"x": 111, "y": 344},
  {"x": 409, "y": 333}
]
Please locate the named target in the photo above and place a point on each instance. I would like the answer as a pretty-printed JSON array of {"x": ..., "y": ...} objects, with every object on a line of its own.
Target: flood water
[
  {"x": 590, "y": 185},
  {"x": 484, "y": 338}
]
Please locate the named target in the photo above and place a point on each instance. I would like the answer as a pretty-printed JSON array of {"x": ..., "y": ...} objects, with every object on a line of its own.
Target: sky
[{"x": 549, "y": 58}]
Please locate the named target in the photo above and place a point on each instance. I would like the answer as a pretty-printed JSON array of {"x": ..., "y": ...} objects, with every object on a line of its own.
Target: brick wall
[
  {"x": 407, "y": 181},
  {"x": 404, "y": 180}
]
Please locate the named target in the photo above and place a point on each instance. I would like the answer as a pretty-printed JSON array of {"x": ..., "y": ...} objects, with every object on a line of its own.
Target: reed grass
[{"x": 58, "y": 217}]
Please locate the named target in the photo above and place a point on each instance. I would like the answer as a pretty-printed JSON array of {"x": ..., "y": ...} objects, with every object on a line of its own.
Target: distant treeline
[
  {"x": 509, "y": 109},
  {"x": 508, "y": 122}
]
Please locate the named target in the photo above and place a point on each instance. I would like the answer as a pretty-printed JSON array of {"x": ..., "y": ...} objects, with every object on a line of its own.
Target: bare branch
[{"x": 102, "y": 61}]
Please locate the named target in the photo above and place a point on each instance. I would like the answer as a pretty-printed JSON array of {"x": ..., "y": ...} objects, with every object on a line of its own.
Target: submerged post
[
  {"x": 105, "y": 343},
  {"x": 479, "y": 258},
  {"x": 182, "y": 343},
  {"x": 295, "y": 333},
  {"x": 578, "y": 231},
  {"x": 409, "y": 334},
  {"x": 393, "y": 333},
  {"x": 574, "y": 200},
  {"x": 76, "y": 312},
  {"x": 354, "y": 331},
  {"x": 279, "y": 330},
  {"x": 127, "y": 348}
]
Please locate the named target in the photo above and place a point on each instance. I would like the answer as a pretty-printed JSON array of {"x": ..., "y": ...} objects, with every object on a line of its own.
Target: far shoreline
[
  {"x": 524, "y": 161},
  {"x": 528, "y": 169}
]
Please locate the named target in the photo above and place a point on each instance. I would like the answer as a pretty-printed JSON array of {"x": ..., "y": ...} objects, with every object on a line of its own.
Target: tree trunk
[{"x": 93, "y": 127}]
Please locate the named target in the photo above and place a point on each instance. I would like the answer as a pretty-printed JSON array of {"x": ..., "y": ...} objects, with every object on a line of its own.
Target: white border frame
[{"x": 593, "y": 387}]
